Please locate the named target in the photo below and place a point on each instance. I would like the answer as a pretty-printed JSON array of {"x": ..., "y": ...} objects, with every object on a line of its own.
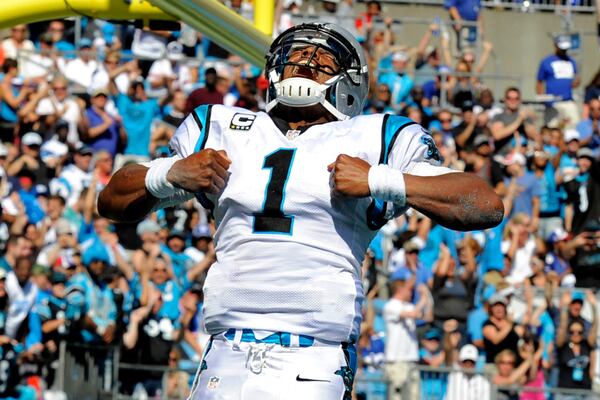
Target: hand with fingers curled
[
  {"x": 349, "y": 176},
  {"x": 204, "y": 171}
]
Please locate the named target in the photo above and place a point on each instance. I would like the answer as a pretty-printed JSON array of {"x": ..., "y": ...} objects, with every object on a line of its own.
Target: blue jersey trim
[
  {"x": 390, "y": 129},
  {"x": 201, "y": 116}
]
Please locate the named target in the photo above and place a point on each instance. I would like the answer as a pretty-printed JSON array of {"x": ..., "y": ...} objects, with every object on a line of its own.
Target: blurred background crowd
[{"x": 501, "y": 307}]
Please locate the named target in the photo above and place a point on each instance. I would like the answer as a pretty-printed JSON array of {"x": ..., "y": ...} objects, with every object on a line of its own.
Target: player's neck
[
  {"x": 302, "y": 124},
  {"x": 302, "y": 117}
]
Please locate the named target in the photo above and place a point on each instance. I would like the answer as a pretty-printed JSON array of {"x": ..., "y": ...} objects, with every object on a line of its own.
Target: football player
[{"x": 297, "y": 194}]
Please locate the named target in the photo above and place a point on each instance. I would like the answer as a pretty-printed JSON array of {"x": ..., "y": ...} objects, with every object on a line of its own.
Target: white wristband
[
  {"x": 156, "y": 177},
  {"x": 386, "y": 183}
]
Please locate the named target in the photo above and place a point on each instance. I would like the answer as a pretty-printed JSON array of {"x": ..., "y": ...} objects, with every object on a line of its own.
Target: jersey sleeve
[
  {"x": 414, "y": 152},
  {"x": 192, "y": 135}
]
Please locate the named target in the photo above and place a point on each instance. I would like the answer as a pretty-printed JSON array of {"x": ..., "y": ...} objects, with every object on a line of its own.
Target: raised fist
[{"x": 204, "y": 171}]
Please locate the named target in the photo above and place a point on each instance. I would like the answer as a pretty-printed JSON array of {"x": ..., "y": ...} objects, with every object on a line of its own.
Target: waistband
[{"x": 284, "y": 339}]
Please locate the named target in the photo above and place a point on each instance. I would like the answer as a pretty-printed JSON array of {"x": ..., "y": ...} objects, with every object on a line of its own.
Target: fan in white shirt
[
  {"x": 169, "y": 72},
  {"x": 17, "y": 43},
  {"x": 61, "y": 106},
  {"x": 45, "y": 64},
  {"x": 82, "y": 69}
]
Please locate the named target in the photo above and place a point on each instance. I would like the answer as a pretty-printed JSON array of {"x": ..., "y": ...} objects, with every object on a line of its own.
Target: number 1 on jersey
[{"x": 272, "y": 219}]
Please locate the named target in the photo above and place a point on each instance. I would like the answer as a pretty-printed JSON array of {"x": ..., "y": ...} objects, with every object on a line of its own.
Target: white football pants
[{"x": 261, "y": 371}]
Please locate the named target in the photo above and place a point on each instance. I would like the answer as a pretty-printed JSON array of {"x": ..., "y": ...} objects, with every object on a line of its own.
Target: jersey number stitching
[{"x": 272, "y": 219}]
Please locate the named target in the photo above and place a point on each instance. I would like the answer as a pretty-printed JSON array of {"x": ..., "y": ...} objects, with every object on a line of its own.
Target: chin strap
[{"x": 303, "y": 92}]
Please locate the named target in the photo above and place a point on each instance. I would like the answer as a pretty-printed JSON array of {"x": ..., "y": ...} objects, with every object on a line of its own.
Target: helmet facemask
[{"x": 323, "y": 64}]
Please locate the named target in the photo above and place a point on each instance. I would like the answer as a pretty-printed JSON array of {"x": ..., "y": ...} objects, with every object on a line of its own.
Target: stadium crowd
[{"x": 500, "y": 301}]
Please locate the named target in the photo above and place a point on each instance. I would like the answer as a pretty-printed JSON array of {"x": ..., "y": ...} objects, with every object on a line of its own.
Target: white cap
[
  {"x": 563, "y": 42},
  {"x": 400, "y": 56},
  {"x": 53, "y": 149},
  {"x": 147, "y": 226},
  {"x": 571, "y": 134},
  {"x": 468, "y": 352},
  {"x": 174, "y": 51},
  {"x": 512, "y": 158},
  {"x": 3, "y": 150},
  {"x": 31, "y": 139}
]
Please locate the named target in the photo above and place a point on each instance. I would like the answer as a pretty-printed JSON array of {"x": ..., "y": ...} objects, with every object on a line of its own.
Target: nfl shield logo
[{"x": 213, "y": 382}]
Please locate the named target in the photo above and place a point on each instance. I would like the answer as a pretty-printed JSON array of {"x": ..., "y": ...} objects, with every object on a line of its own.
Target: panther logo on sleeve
[{"x": 432, "y": 151}]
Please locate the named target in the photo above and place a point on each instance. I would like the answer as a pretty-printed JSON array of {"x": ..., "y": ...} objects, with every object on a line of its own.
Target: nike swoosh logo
[{"x": 300, "y": 379}]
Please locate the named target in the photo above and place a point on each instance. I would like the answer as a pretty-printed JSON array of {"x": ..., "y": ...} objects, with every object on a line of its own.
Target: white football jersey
[{"x": 289, "y": 253}]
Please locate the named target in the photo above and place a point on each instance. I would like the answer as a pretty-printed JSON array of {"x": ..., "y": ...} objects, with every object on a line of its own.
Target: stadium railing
[
  {"x": 583, "y": 6},
  {"x": 432, "y": 384}
]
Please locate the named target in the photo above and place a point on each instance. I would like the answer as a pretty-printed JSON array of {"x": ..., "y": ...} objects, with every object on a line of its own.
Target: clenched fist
[
  {"x": 350, "y": 176},
  {"x": 204, "y": 171}
]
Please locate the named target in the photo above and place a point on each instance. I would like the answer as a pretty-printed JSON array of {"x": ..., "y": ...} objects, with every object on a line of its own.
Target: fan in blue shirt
[{"x": 558, "y": 71}]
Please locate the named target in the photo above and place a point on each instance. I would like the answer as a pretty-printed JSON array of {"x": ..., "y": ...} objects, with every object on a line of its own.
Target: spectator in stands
[
  {"x": 14, "y": 92},
  {"x": 518, "y": 247},
  {"x": 30, "y": 160},
  {"x": 17, "y": 46},
  {"x": 95, "y": 301},
  {"x": 468, "y": 57},
  {"x": 18, "y": 246},
  {"x": 467, "y": 130},
  {"x": 575, "y": 182},
  {"x": 56, "y": 29},
  {"x": 372, "y": 12},
  {"x": 60, "y": 105},
  {"x": 137, "y": 111},
  {"x": 461, "y": 11},
  {"x": 201, "y": 243},
  {"x": 557, "y": 76},
  {"x": 165, "y": 128},
  {"x": 460, "y": 85},
  {"x": 589, "y": 129},
  {"x": 545, "y": 173},
  {"x": 576, "y": 354},
  {"x": 59, "y": 251},
  {"x": 511, "y": 371},
  {"x": 592, "y": 91},
  {"x": 398, "y": 80},
  {"x": 102, "y": 131},
  {"x": 207, "y": 94},
  {"x": 465, "y": 384},
  {"x": 499, "y": 332},
  {"x": 431, "y": 353},
  {"x": 74, "y": 177},
  {"x": 454, "y": 285},
  {"x": 523, "y": 190},
  {"x": 54, "y": 317},
  {"x": 402, "y": 346},
  {"x": 567, "y": 166},
  {"x": 153, "y": 335},
  {"x": 126, "y": 73},
  {"x": 480, "y": 162},
  {"x": 80, "y": 71},
  {"x": 175, "y": 247},
  {"x": 178, "y": 386},
  {"x": 513, "y": 121},
  {"x": 571, "y": 306},
  {"x": 44, "y": 65},
  {"x": 169, "y": 73},
  {"x": 558, "y": 269},
  {"x": 22, "y": 294},
  {"x": 427, "y": 59}
]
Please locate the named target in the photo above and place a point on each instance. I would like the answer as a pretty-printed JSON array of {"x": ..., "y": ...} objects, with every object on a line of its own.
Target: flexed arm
[
  {"x": 127, "y": 198},
  {"x": 459, "y": 201}
]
